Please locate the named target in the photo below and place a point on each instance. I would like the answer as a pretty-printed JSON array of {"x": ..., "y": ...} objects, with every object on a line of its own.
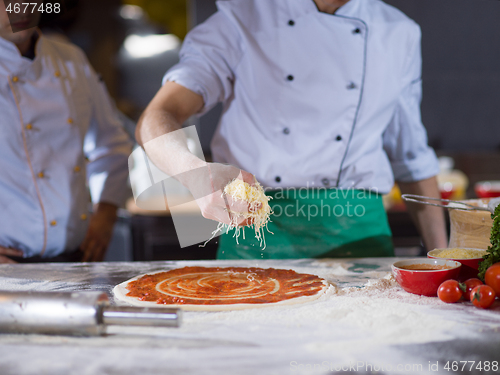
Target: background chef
[
  {"x": 322, "y": 93},
  {"x": 57, "y": 125}
]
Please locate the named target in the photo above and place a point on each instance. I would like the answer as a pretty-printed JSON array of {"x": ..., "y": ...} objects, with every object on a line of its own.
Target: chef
[
  {"x": 321, "y": 103},
  {"x": 57, "y": 126}
]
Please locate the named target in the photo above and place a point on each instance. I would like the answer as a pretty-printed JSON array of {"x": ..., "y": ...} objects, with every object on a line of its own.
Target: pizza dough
[{"x": 220, "y": 289}]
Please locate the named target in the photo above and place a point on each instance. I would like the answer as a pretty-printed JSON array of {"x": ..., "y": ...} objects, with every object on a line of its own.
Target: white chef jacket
[
  {"x": 57, "y": 124},
  {"x": 312, "y": 99}
]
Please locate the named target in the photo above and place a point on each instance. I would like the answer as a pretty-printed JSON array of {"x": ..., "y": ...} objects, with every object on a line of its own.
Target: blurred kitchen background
[{"x": 131, "y": 44}]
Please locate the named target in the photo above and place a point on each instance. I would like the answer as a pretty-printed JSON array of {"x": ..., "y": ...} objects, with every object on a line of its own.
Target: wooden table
[{"x": 154, "y": 236}]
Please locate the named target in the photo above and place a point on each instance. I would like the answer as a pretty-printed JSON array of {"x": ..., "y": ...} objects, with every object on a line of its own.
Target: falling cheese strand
[
  {"x": 258, "y": 213},
  {"x": 239, "y": 190}
]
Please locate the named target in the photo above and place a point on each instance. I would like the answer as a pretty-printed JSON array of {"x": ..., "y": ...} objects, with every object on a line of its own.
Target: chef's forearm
[
  {"x": 106, "y": 209},
  {"x": 158, "y": 130},
  {"x": 429, "y": 220},
  {"x": 166, "y": 144},
  {"x": 155, "y": 122}
]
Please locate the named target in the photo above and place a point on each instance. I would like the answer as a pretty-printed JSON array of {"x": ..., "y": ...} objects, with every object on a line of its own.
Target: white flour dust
[{"x": 377, "y": 314}]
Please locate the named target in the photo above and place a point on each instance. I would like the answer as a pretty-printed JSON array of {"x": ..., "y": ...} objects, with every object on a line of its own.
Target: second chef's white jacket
[{"x": 57, "y": 126}]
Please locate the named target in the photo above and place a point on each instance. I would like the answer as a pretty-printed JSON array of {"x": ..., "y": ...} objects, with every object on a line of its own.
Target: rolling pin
[{"x": 75, "y": 313}]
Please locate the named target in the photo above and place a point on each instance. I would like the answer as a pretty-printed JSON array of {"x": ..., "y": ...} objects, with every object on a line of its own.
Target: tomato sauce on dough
[{"x": 222, "y": 286}]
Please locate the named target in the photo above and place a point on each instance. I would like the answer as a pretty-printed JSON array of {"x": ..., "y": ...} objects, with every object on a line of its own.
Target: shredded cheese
[
  {"x": 258, "y": 213},
  {"x": 456, "y": 253}
]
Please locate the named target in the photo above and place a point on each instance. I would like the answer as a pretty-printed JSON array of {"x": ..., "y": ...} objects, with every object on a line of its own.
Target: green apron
[{"x": 317, "y": 223}]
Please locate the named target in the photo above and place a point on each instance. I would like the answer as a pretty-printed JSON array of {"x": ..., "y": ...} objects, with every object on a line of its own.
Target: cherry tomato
[
  {"x": 492, "y": 278},
  {"x": 469, "y": 285},
  {"x": 483, "y": 296},
  {"x": 449, "y": 291}
]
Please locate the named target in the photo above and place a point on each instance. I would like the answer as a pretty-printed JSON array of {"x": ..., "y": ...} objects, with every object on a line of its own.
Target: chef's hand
[
  {"x": 207, "y": 185},
  {"x": 99, "y": 233},
  {"x": 9, "y": 252}
]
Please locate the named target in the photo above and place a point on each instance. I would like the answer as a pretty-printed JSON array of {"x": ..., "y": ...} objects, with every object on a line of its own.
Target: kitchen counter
[{"x": 364, "y": 323}]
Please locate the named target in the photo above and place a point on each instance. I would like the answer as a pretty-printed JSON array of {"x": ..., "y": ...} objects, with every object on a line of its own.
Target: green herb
[{"x": 493, "y": 253}]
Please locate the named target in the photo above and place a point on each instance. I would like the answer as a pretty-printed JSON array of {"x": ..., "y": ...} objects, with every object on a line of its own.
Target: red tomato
[
  {"x": 492, "y": 278},
  {"x": 449, "y": 291},
  {"x": 469, "y": 285},
  {"x": 483, "y": 296}
]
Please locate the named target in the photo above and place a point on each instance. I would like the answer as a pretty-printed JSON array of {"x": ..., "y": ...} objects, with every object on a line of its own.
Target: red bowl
[
  {"x": 424, "y": 282},
  {"x": 487, "y": 189},
  {"x": 469, "y": 267}
]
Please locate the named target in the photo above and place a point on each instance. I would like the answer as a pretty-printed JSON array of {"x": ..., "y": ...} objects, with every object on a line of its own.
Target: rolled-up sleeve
[
  {"x": 107, "y": 147},
  {"x": 405, "y": 139},
  {"x": 208, "y": 58}
]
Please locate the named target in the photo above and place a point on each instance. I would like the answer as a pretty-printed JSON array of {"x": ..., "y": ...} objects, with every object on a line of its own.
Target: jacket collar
[
  {"x": 350, "y": 9},
  {"x": 11, "y": 60}
]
